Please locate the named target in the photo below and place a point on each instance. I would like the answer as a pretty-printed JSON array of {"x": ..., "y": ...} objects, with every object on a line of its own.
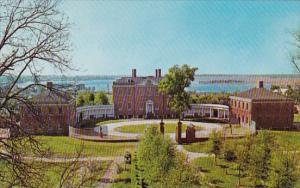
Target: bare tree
[
  {"x": 295, "y": 57},
  {"x": 33, "y": 34}
]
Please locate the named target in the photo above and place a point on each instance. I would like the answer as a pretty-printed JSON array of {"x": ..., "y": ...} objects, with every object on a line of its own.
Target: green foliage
[
  {"x": 174, "y": 84},
  {"x": 260, "y": 158},
  {"x": 274, "y": 87},
  {"x": 90, "y": 98},
  {"x": 293, "y": 93},
  {"x": 229, "y": 155},
  {"x": 64, "y": 146},
  {"x": 169, "y": 128},
  {"x": 216, "y": 139},
  {"x": 159, "y": 165},
  {"x": 211, "y": 98},
  {"x": 284, "y": 170},
  {"x": 80, "y": 101},
  {"x": 101, "y": 98}
]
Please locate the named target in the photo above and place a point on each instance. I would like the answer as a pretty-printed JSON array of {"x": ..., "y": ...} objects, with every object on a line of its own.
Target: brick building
[
  {"x": 50, "y": 113},
  {"x": 139, "y": 97},
  {"x": 269, "y": 110}
]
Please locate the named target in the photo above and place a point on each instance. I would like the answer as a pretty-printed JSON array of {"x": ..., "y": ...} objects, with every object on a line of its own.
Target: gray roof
[
  {"x": 261, "y": 94},
  {"x": 52, "y": 97},
  {"x": 137, "y": 80}
]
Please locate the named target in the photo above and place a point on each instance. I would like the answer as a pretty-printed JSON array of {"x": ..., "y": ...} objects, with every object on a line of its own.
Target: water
[{"x": 105, "y": 84}]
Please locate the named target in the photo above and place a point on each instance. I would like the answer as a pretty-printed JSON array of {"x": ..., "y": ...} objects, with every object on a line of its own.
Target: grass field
[
  {"x": 51, "y": 173},
  {"x": 224, "y": 174},
  {"x": 296, "y": 117},
  {"x": 169, "y": 128},
  {"x": 283, "y": 138},
  {"x": 110, "y": 121},
  {"x": 62, "y": 146}
]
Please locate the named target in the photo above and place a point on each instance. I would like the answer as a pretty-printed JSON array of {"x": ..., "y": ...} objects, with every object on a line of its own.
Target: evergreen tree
[
  {"x": 284, "y": 170},
  {"x": 216, "y": 145},
  {"x": 243, "y": 151},
  {"x": 260, "y": 158}
]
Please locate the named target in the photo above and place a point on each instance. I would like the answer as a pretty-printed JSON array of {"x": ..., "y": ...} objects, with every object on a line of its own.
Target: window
[
  {"x": 60, "y": 110},
  {"x": 129, "y": 106},
  {"x": 247, "y": 106},
  {"x": 50, "y": 110}
]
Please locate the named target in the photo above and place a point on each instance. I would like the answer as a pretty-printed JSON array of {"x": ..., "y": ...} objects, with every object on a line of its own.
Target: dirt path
[
  {"x": 110, "y": 174},
  {"x": 64, "y": 160}
]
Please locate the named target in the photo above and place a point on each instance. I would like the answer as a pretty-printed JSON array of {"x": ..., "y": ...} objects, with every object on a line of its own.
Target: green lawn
[
  {"x": 287, "y": 137},
  {"x": 224, "y": 174},
  {"x": 199, "y": 147},
  {"x": 54, "y": 171},
  {"x": 51, "y": 173},
  {"x": 283, "y": 138},
  {"x": 296, "y": 117},
  {"x": 169, "y": 128},
  {"x": 110, "y": 121},
  {"x": 62, "y": 146}
]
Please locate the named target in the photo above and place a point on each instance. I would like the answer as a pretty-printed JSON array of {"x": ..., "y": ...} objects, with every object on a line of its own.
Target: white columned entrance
[{"x": 149, "y": 107}]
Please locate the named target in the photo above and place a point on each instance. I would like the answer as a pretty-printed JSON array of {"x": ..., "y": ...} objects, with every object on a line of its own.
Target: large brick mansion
[{"x": 138, "y": 96}]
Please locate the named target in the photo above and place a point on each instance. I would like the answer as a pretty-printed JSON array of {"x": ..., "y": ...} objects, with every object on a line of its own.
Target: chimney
[
  {"x": 134, "y": 73},
  {"x": 49, "y": 85},
  {"x": 157, "y": 73},
  {"x": 260, "y": 84}
]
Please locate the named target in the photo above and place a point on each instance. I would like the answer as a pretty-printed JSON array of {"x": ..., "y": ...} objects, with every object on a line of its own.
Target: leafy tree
[
  {"x": 216, "y": 145},
  {"x": 174, "y": 84},
  {"x": 274, "y": 87},
  {"x": 211, "y": 98},
  {"x": 158, "y": 163},
  {"x": 260, "y": 158},
  {"x": 91, "y": 98},
  {"x": 101, "y": 98},
  {"x": 229, "y": 155},
  {"x": 284, "y": 169},
  {"x": 243, "y": 152},
  {"x": 80, "y": 101}
]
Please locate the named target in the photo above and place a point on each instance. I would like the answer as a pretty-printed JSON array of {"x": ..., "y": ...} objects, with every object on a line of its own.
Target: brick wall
[{"x": 49, "y": 119}]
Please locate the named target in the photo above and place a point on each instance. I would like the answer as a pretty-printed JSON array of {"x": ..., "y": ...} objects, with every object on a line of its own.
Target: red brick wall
[
  {"x": 267, "y": 114},
  {"x": 50, "y": 121},
  {"x": 130, "y": 100},
  {"x": 241, "y": 110},
  {"x": 273, "y": 114}
]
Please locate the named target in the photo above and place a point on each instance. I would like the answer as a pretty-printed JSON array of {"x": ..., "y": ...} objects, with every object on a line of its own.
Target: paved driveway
[{"x": 110, "y": 127}]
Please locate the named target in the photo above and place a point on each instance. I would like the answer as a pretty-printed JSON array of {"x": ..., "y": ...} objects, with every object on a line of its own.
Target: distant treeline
[
  {"x": 93, "y": 98},
  {"x": 210, "y": 98},
  {"x": 221, "y": 81}
]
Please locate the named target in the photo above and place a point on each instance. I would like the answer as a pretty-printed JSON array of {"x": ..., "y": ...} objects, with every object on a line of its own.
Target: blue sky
[{"x": 112, "y": 37}]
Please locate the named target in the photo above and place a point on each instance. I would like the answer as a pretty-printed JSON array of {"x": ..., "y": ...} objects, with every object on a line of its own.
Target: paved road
[{"x": 207, "y": 127}]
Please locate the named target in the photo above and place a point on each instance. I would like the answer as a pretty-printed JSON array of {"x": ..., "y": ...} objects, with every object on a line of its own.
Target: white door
[{"x": 149, "y": 107}]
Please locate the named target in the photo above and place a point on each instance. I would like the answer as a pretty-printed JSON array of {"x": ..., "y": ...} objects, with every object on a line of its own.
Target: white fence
[{"x": 94, "y": 112}]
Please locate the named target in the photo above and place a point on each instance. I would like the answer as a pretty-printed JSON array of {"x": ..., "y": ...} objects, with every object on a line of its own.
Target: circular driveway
[{"x": 109, "y": 128}]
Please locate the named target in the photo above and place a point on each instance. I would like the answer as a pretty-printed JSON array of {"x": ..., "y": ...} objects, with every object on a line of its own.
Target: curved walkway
[{"x": 111, "y": 127}]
